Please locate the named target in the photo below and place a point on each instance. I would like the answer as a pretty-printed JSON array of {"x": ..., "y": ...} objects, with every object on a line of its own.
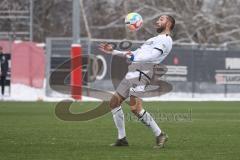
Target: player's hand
[
  {"x": 106, "y": 48},
  {"x": 128, "y": 54}
]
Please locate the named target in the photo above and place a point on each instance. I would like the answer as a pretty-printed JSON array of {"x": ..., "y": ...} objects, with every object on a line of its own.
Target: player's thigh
[{"x": 123, "y": 88}]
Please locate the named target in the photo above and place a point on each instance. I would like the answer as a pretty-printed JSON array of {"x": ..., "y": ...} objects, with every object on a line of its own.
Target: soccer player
[{"x": 140, "y": 72}]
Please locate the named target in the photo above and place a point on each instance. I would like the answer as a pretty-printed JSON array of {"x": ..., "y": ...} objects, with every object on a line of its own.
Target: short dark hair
[{"x": 172, "y": 20}]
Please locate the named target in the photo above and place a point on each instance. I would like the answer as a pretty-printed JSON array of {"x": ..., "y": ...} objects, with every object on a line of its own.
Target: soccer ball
[{"x": 133, "y": 21}]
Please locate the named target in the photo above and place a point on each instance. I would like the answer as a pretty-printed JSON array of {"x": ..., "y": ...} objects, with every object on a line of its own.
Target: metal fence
[
  {"x": 192, "y": 70},
  {"x": 16, "y": 24}
]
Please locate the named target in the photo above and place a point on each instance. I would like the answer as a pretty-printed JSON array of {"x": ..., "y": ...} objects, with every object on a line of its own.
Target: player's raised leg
[
  {"x": 118, "y": 117},
  {"x": 147, "y": 119}
]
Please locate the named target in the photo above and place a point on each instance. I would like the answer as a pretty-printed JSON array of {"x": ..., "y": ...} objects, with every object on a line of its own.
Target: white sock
[
  {"x": 118, "y": 117},
  {"x": 148, "y": 120}
]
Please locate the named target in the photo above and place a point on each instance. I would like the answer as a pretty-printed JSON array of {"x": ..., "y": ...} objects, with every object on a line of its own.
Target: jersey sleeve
[{"x": 117, "y": 52}]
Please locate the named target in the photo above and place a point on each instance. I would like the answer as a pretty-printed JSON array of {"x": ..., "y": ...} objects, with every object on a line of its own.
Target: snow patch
[{"x": 20, "y": 92}]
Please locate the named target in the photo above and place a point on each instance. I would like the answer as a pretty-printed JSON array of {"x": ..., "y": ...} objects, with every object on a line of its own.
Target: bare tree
[{"x": 197, "y": 21}]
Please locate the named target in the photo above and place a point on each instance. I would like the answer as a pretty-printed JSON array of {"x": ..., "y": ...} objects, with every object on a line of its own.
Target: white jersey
[{"x": 154, "y": 50}]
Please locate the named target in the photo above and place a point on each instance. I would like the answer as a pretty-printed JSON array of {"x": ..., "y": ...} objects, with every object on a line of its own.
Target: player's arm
[{"x": 108, "y": 49}]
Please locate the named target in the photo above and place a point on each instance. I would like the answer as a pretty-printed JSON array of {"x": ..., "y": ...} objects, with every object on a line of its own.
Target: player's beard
[{"x": 161, "y": 28}]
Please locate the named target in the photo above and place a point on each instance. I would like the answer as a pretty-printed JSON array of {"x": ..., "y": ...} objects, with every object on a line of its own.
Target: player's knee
[
  {"x": 112, "y": 103},
  {"x": 136, "y": 105},
  {"x": 133, "y": 101},
  {"x": 134, "y": 110},
  {"x": 115, "y": 101}
]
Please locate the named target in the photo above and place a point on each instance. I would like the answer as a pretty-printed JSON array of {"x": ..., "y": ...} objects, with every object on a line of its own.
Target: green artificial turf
[{"x": 197, "y": 131}]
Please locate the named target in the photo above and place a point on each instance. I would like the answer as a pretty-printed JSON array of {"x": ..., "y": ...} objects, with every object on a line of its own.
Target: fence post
[{"x": 76, "y": 71}]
